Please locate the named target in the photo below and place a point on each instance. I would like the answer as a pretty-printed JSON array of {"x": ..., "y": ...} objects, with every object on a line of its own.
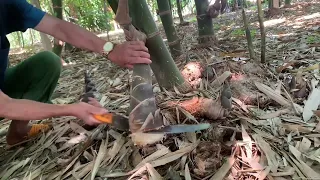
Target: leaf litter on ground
[{"x": 272, "y": 131}]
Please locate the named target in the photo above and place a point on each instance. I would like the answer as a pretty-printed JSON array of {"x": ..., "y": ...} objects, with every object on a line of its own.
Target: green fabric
[{"x": 34, "y": 78}]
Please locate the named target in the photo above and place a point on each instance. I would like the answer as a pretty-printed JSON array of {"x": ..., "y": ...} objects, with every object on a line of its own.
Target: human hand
[
  {"x": 129, "y": 53},
  {"x": 85, "y": 111}
]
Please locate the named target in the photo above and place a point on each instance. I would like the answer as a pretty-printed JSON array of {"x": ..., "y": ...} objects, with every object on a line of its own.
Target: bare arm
[
  {"x": 125, "y": 54},
  {"x": 22, "y": 109},
  {"x": 70, "y": 33}
]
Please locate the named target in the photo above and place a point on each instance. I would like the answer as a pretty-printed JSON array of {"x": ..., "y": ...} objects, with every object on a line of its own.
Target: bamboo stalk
[
  {"x": 163, "y": 66},
  {"x": 205, "y": 25},
  {"x": 248, "y": 35},
  {"x": 143, "y": 109},
  {"x": 262, "y": 32},
  {"x": 182, "y": 22},
  {"x": 165, "y": 14}
]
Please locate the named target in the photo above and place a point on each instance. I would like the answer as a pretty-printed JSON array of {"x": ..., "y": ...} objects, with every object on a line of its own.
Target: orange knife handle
[{"x": 106, "y": 118}]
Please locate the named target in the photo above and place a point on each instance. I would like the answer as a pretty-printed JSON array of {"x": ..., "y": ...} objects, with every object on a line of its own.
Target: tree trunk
[
  {"x": 170, "y": 5},
  {"x": 205, "y": 26},
  {"x": 182, "y": 22},
  {"x": 163, "y": 66},
  {"x": 46, "y": 44},
  {"x": 57, "y": 8},
  {"x": 31, "y": 36},
  {"x": 22, "y": 39},
  {"x": 171, "y": 33},
  {"x": 248, "y": 35},
  {"x": 262, "y": 32}
]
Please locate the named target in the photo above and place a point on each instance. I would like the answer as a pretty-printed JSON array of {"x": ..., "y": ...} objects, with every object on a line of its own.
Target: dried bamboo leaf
[
  {"x": 102, "y": 153},
  {"x": 263, "y": 174},
  {"x": 116, "y": 148},
  {"x": 312, "y": 104},
  {"x": 288, "y": 172},
  {"x": 277, "y": 97},
  {"x": 306, "y": 170},
  {"x": 187, "y": 175},
  {"x": 304, "y": 145},
  {"x": 79, "y": 129},
  {"x": 246, "y": 138},
  {"x": 296, "y": 127},
  {"x": 295, "y": 152},
  {"x": 14, "y": 168},
  {"x": 173, "y": 155},
  {"x": 153, "y": 173},
  {"x": 224, "y": 169},
  {"x": 272, "y": 94},
  {"x": 219, "y": 80},
  {"x": 274, "y": 114},
  {"x": 270, "y": 154},
  {"x": 159, "y": 153}
]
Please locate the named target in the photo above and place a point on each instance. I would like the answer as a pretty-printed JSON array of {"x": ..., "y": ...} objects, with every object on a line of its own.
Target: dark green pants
[{"x": 34, "y": 78}]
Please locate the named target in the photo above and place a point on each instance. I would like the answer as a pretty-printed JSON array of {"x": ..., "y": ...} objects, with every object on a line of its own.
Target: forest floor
[{"x": 272, "y": 131}]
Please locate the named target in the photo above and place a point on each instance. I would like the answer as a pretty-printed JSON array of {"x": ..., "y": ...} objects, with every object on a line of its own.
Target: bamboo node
[
  {"x": 165, "y": 12},
  {"x": 151, "y": 35}
]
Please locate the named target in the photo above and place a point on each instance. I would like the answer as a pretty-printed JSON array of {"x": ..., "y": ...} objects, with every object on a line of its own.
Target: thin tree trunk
[
  {"x": 182, "y": 22},
  {"x": 248, "y": 35},
  {"x": 44, "y": 38},
  {"x": 22, "y": 39},
  {"x": 31, "y": 36},
  {"x": 165, "y": 14},
  {"x": 262, "y": 32},
  {"x": 163, "y": 66},
  {"x": 105, "y": 10},
  {"x": 19, "y": 39},
  {"x": 57, "y": 8},
  {"x": 205, "y": 26}
]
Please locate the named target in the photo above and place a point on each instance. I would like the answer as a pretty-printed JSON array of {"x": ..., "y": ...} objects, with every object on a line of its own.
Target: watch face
[{"x": 108, "y": 46}]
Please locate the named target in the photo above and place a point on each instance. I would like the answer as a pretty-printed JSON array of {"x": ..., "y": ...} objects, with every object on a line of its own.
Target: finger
[
  {"x": 129, "y": 66},
  {"x": 139, "y": 47},
  {"x": 140, "y": 54},
  {"x": 94, "y": 102},
  {"x": 140, "y": 60},
  {"x": 140, "y": 43}
]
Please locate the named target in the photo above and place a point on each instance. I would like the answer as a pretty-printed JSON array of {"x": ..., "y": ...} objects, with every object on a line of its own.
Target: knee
[{"x": 50, "y": 61}]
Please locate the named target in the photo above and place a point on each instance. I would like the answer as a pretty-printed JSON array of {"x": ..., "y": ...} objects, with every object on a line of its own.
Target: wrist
[
  {"x": 107, "y": 49},
  {"x": 70, "y": 110}
]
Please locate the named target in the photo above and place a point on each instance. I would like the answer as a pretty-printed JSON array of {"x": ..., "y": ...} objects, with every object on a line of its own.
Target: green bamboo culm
[
  {"x": 248, "y": 35},
  {"x": 262, "y": 32},
  {"x": 205, "y": 26},
  {"x": 179, "y": 9},
  {"x": 165, "y": 14},
  {"x": 57, "y": 10},
  {"x": 163, "y": 66}
]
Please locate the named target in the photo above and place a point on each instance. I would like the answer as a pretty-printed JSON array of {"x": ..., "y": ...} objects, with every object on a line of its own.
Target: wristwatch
[{"x": 107, "y": 48}]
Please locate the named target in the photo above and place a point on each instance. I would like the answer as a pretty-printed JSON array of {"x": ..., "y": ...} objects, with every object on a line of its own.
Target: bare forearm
[
  {"x": 80, "y": 37},
  {"x": 30, "y": 110},
  {"x": 70, "y": 33}
]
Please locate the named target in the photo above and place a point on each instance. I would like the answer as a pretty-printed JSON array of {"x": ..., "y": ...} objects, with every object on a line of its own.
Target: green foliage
[
  {"x": 90, "y": 14},
  {"x": 313, "y": 39},
  {"x": 241, "y": 32}
]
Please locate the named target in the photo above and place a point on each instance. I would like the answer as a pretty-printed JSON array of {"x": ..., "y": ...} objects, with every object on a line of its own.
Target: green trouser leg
[{"x": 35, "y": 78}]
